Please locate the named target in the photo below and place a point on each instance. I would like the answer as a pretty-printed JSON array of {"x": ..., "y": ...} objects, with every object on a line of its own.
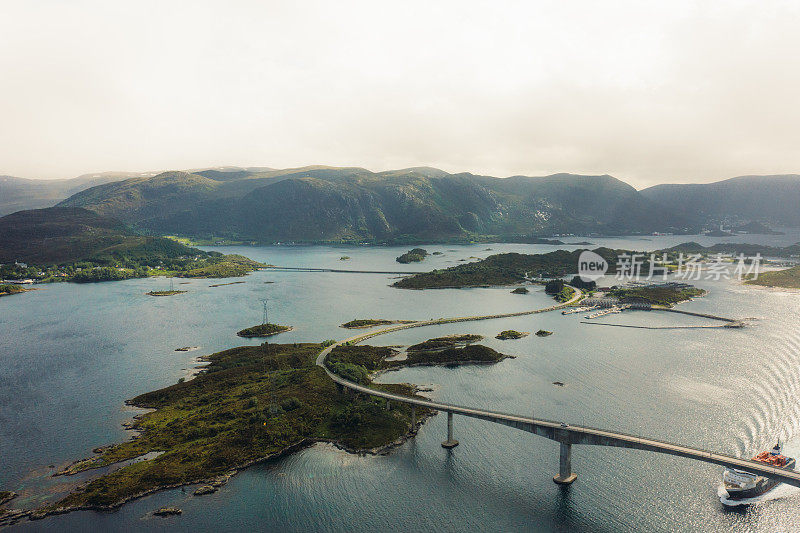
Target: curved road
[{"x": 565, "y": 434}]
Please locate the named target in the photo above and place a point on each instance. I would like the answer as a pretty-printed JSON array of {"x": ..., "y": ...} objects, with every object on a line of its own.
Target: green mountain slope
[
  {"x": 771, "y": 199},
  {"x": 68, "y": 235},
  {"x": 335, "y": 204},
  {"x": 17, "y": 194}
]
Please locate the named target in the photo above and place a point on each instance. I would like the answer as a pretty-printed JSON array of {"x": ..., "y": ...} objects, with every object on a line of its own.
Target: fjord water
[{"x": 71, "y": 354}]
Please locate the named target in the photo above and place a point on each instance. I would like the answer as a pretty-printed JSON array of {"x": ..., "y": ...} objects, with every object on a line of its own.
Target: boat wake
[{"x": 781, "y": 491}]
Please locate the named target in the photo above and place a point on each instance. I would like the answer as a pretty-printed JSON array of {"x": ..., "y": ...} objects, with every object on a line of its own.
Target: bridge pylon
[
  {"x": 450, "y": 442},
  {"x": 565, "y": 474}
]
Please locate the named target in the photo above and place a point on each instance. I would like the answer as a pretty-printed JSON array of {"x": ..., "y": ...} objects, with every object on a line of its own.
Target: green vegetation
[
  {"x": 565, "y": 294},
  {"x": 10, "y": 288},
  {"x": 543, "y": 333},
  {"x": 251, "y": 403},
  {"x": 578, "y": 283},
  {"x": 357, "y": 363},
  {"x": 511, "y": 334},
  {"x": 503, "y": 269},
  {"x": 471, "y": 354},
  {"x": 520, "y": 290},
  {"x": 164, "y": 293},
  {"x": 658, "y": 295},
  {"x": 731, "y": 248},
  {"x": 226, "y": 266},
  {"x": 167, "y": 511},
  {"x": 263, "y": 330},
  {"x": 787, "y": 279},
  {"x": 355, "y": 205},
  {"x": 448, "y": 341},
  {"x": 413, "y": 256},
  {"x": 72, "y": 244},
  {"x": 370, "y": 322},
  {"x": 344, "y": 258},
  {"x": 365, "y": 323}
]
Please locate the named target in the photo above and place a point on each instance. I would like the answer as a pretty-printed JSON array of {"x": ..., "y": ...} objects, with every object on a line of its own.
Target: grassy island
[
  {"x": 543, "y": 333},
  {"x": 503, "y": 269},
  {"x": 449, "y": 341},
  {"x": 786, "y": 279},
  {"x": 164, "y": 293},
  {"x": 413, "y": 256},
  {"x": 663, "y": 295},
  {"x": 511, "y": 334},
  {"x": 11, "y": 288},
  {"x": 520, "y": 290},
  {"x": 370, "y": 322},
  {"x": 263, "y": 330},
  {"x": 252, "y": 403},
  {"x": 473, "y": 354},
  {"x": 358, "y": 363}
]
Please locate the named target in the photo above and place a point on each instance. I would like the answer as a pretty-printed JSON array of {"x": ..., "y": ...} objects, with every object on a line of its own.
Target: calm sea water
[{"x": 71, "y": 354}]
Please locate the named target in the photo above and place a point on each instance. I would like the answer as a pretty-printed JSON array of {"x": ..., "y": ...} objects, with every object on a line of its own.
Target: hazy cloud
[{"x": 649, "y": 92}]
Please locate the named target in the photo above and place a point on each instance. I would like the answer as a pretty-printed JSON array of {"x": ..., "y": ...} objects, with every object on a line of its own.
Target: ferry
[{"x": 738, "y": 485}]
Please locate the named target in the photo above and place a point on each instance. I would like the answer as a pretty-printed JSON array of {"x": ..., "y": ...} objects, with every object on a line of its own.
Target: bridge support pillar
[
  {"x": 565, "y": 475},
  {"x": 450, "y": 442}
]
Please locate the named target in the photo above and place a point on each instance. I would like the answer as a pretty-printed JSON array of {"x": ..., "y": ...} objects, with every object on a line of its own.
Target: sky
[{"x": 650, "y": 92}]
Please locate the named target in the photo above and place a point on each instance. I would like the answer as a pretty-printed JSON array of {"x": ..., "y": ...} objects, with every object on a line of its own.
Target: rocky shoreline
[{"x": 12, "y": 516}]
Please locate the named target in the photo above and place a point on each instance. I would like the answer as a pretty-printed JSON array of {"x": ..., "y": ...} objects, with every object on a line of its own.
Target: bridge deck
[{"x": 567, "y": 434}]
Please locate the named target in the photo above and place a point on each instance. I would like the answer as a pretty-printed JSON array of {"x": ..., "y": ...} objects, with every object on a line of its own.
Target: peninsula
[{"x": 786, "y": 279}]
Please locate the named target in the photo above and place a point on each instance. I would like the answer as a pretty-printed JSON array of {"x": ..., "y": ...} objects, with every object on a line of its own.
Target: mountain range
[
  {"x": 774, "y": 199},
  {"x": 350, "y": 204}
]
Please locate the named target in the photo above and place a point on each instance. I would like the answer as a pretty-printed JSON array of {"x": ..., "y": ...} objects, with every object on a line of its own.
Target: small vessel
[{"x": 739, "y": 485}]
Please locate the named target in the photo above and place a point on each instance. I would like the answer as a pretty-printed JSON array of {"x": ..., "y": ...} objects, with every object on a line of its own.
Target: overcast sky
[{"x": 648, "y": 92}]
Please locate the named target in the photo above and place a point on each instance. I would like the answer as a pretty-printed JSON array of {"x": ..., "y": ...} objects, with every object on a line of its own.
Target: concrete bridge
[
  {"x": 566, "y": 435},
  {"x": 338, "y": 270}
]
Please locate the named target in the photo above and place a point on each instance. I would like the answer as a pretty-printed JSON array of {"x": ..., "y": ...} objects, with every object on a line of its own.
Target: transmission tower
[{"x": 266, "y": 316}]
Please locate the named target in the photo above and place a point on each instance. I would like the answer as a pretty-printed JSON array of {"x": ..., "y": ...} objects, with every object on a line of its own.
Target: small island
[
  {"x": 167, "y": 511},
  {"x": 413, "y": 256},
  {"x": 164, "y": 293},
  {"x": 543, "y": 333},
  {"x": 510, "y": 334},
  {"x": 370, "y": 322},
  {"x": 663, "y": 295},
  {"x": 263, "y": 330},
  {"x": 360, "y": 363},
  {"x": 473, "y": 354},
  {"x": 449, "y": 341},
  {"x": 7, "y": 289},
  {"x": 520, "y": 290},
  {"x": 344, "y": 258},
  {"x": 503, "y": 269}
]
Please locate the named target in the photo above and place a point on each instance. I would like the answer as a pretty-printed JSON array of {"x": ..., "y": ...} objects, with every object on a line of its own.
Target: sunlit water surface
[{"x": 70, "y": 355}]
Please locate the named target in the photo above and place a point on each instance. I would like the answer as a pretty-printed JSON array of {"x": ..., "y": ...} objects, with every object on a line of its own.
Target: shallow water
[{"x": 71, "y": 354}]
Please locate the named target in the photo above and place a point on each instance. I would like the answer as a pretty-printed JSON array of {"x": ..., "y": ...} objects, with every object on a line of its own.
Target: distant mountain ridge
[
  {"x": 352, "y": 204},
  {"x": 772, "y": 199}
]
